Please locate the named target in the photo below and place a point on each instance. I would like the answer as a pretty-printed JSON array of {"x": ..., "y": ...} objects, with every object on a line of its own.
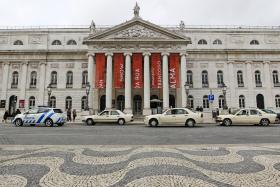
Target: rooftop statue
[{"x": 136, "y": 10}]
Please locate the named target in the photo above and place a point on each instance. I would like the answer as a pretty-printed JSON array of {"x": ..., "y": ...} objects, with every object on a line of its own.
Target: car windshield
[
  {"x": 268, "y": 111},
  {"x": 59, "y": 111}
]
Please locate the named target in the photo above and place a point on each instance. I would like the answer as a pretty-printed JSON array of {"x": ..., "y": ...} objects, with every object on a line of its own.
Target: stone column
[
  {"x": 91, "y": 73},
  {"x": 268, "y": 86},
  {"x": 5, "y": 78},
  {"x": 109, "y": 79},
  {"x": 165, "y": 81},
  {"x": 147, "y": 86},
  {"x": 233, "y": 102},
  {"x": 42, "y": 83},
  {"x": 23, "y": 82},
  {"x": 250, "y": 100},
  {"x": 128, "y": 108},
  {"x": 183, "y": 75}
]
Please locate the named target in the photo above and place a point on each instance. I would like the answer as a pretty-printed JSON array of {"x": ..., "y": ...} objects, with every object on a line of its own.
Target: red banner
[
  {"x": 119, "y": 70},
  {"x": 174, "y": 70},
  {"x": 137, "y": 70},
  {"x": 100, "y": 80},
  {"x": 156, "y": 72}
]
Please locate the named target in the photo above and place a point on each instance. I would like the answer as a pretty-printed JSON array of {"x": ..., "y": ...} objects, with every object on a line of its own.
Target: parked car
[
  {"x": 39, "y": 116},
  {"x": 109, "y": 116},
  {"x": 247, "y": 116},
  {"x": 174, "y": 116}
]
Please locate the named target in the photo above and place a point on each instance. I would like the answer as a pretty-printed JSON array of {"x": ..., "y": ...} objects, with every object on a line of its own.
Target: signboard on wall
[{"x": 21, "y": 103}]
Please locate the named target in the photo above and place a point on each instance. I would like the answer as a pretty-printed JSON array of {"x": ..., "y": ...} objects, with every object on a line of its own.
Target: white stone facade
[{"x": 230, "y": 53}]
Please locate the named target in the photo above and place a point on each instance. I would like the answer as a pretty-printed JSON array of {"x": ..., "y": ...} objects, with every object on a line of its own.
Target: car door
[
  {"x": 114, "y": 116},
  {"x": 181, "y": 116},
  {"x": 169, "y": 117},
  {"x": 241, "y": 117},
  {"x": 30, "y": 117},
  {"x": 254, "y": 117},
  {"x": 102, "y": 117}
]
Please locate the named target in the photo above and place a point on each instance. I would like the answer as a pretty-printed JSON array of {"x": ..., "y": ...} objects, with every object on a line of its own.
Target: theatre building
[{"x": 139, "y": 67}]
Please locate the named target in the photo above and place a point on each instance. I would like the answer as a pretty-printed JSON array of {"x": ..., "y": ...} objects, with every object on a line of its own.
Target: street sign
[{"x": 211, "y": 97}]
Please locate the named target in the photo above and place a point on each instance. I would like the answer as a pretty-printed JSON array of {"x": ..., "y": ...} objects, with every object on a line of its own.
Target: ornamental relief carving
[
  {"x": 237, "y": 39},
  {"x": 219, "y": 65},
  {"x": 34, "y": 65},
  {"x": 15, "y": 66},
  {"x": 273, "y": 39},
  {"x": 204, "y": 65},
  {"x": 35, "y": 39},
  {"x": 54, "y": 65},
  {"x": 84, "y": 65},
  {"x": 257, "y": 66},
  {"x": 4, "y": 40},
  {"x": 70, "y": 65},
  {"x": 189, "y": 65},
  {"x": 137, "y": 31}
]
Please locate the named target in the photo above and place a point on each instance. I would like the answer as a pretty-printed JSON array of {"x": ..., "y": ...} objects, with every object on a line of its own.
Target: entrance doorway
[
  {"x": 102, "y": 103},
  {"x": 120, "y": 102},
  {"x": 172, "y": 101},
  {"x": 260, "y": 101},
  {"x": 137, "y": 105},
  {"x": 12, "y": 105}
]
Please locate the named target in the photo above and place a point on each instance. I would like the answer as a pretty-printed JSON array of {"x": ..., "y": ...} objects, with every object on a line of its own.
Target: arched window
[
  {"x": 205, "y": 102},
  {"x": 275, "y": 78},
  {"x": 258, "y": 78},
  {"x": 202, "y": 42},
  {"x": 217, "y": 42},
  {"x": 71, "y": 42},
  {"x": 204, "y": 78},
  {"x": 221, "y": 101},
  {"x": 84, "y": 103},
  {"x": 68, "y": 102},
  {"x": 54, "y": 79},
  {"x": 33, "y": 79},
  {"x": 84, "y": 78},
  {"x": 254, "y": 42},
  {"x": 240, "y": 79},
  {"x": 69, "y": 79},
  {"x": 56, "y": 42},
  {"x": 31, "y": 102},
  {"x": 18, "y": 42},
  {"x": 14, "y": 79},
  {"x": 277, "y": 101},
  {"x": 241, "y": 101},
  {"x": 220, "y": 78},
  {"x": 190, "y": 102},
  {"x": 190, "y": 78},
  {"x": 53, "y": 102}
]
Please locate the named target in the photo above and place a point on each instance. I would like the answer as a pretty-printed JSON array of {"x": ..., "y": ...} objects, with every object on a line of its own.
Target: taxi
[
  {"x": 247, "y": 116},
  {"x": 109, "y": 116},
  {"x": 174, "y": 116},
  {"x": 41, "y": 115}
]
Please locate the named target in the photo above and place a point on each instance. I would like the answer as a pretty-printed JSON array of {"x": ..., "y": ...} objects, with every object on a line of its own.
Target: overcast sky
[{"x": 162, "y": 12}]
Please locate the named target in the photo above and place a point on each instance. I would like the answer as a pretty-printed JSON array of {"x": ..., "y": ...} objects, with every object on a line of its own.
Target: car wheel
[
  {"x": 90, "y": 122},
  {"x": 227, "y": 122},
  {"x": 264, "y": 122},
  {"x": 49, "y": 123},
  {"x": 190, "y": 123},
  {"x": 121, "y": 122},
  {"x": 153, "y": 123},
  {"x": 18, "y": 123}
]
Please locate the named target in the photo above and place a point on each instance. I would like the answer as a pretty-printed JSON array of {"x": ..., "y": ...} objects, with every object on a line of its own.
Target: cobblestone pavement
[{"x": 203, "y": 165}]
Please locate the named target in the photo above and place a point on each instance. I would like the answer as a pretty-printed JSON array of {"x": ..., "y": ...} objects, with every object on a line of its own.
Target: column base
[
  {"x": 147, "y": 111},
  {"x": 127, "y": 110}
]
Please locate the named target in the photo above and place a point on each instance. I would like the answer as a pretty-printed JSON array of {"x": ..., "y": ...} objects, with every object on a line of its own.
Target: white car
[
  {"x": 247, "y": 116},
  {"x": 174, "y": 116},
  {"x": 109, "y": 116},
  {"x": 41, "y": 115}
]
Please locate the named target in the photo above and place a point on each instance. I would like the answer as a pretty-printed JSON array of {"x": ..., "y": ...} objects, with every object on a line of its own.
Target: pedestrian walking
[
  {"x": 5, "y": 117},
  {"x": 74, "y": 115},
  {"x": 68, "y": 114}
]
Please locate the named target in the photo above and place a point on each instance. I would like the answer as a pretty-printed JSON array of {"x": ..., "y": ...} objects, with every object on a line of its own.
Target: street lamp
[
  {"x": 224, "y": 89},
  {"x": 49, "y": 94},
  {"x": 87, "y": 92},
  {"x": 187, "y": 88}
]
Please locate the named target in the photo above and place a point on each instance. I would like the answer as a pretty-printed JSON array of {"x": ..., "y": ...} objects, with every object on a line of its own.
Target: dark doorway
[
  {"x": 137, "y": 105},
  {"x": 12, "y": 104},
  {"x": 172, "y": 101},
  {"x": 102, "y": 103},
  {"x": 120, "y": 102},
  {"x": 260, "y": 101}
]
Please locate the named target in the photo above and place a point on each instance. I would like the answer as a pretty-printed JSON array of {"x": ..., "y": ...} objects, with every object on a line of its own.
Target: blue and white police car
[{"x": 39, "y": 116}]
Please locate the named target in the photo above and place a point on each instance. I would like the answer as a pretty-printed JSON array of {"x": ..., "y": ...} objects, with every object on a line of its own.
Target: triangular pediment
[{"x": 135, "y": 30}]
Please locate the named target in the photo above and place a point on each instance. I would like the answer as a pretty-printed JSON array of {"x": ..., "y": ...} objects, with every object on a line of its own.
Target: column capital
[
  {"x": 146, "y": 54},
  {"x": 230, "y": 62},
  {"x": 266, "y": 62},
  {"x": 6, "y": 63},
  {"x": 165, "y": 54},
  {"x": 90, "y": 54},
  {"x": 127, "y": 54},
  {"x": 109, "y": 54},
  {"x": 42, "y": 63},
  {"x": 248, "y": 62},
  {"x": 25, "y": 63},
  {"x": 184, "y": 54}
]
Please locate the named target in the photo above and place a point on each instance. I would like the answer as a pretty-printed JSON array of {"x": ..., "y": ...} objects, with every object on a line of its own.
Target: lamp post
[
  {"x": 87, "y": 92},
  {"x": 49, "y": 94},
  {"x": 187, "y": 88},
  {"x": 224, "y": 89}
]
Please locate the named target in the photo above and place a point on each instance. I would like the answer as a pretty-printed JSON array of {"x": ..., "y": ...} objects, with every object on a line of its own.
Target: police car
[{"x": 41, "y": 115}]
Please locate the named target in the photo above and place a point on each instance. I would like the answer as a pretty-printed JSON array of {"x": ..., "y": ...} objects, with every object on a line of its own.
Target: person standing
[
  {"x": 5, "y": 117},
  {"x": 74, "y": 115},
  {"x": 68, "y": 114}
]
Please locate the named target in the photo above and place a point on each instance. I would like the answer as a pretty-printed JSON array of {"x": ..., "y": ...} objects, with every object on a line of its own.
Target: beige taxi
[
  {"x": 247, "y": 116},
  {"x": 174, "y": 116}
]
